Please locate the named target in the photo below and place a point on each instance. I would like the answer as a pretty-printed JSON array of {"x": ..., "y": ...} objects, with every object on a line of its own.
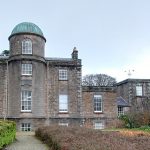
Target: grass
[{"x": 73, "y": 138}]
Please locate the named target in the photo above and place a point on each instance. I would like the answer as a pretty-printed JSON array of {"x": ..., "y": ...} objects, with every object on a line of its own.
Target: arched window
[{"x": 27, "y": 46}]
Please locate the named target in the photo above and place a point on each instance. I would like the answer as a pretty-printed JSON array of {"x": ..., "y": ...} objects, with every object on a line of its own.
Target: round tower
[{"x": 26, "y": 75}]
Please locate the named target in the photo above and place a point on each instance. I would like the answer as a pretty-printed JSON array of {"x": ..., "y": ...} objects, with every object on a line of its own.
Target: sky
[{"x": 112, "y": 36}]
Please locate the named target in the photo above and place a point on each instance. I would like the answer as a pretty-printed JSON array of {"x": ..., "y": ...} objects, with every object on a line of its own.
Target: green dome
[{"x": 27, "y": 27}]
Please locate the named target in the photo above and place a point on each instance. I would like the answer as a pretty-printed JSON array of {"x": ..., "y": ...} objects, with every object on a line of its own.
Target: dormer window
[{"x": 27, "y": 46}]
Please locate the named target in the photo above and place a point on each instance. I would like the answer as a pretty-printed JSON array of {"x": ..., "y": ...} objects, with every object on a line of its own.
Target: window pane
[
  {"x": 26, "y": 101},
  {"x": 63, "y": 124},
  {"x": 120, "y": 111},
  {"x": 139, "y": 90},
  {"x": 26, "y": 69},
  {"x": 63, "y": 103},
  {"x": 25, "y": 127},
  {"x": 63, "y": 75},
  {"x": 97, "y": 103},
  {"x": 26, "y": 46},
  {"x": 99, "y": 125}
]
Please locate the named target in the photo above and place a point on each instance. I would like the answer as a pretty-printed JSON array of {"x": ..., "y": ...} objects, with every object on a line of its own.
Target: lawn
[{"x": 72, "y": 138}]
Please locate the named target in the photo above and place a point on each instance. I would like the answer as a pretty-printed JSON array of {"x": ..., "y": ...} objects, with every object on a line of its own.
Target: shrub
[
  {"x": 141, "y": 119},
  {"x": 145, "y": 128},
  {"x": 7, "y": 132},
  {"x": 136, "y": 120},
  {"x": 128, "y": 121},
  {"x": 73, "y": 138}
]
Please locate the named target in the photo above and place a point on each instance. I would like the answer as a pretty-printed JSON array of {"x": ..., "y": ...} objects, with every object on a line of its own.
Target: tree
[
  {"x": 98, "y": 80},
  {"x": 5, "y": 53}
]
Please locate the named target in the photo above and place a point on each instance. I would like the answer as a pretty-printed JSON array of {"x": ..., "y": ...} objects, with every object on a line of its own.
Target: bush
[
  {"x": 7, "y": 132},
  {"x": 145, "y": 128},
  {"x": 141, "y": 119},
  {"x": 136, "y": 120},
  {"x": 73, "y": 138},
  {"x": 128, "y": 121}
]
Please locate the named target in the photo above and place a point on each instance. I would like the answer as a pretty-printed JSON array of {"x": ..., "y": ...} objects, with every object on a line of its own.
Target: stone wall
[
  {"x": 3, "y": 87},
  {"x": 35, "y": 83},
  {"x": 70, "y": 87},
  {"x": 38, "y": 44},
  {"x": 109, "y": 106}
]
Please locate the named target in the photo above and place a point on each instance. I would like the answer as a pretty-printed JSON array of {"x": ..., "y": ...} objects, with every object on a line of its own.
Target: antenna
[{"x": 129, "y": 72}]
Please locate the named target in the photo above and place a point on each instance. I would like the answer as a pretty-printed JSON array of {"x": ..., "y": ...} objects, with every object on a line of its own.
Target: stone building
[
  {"x": 36, "y": 90},
  {"x": 103, "y": 115},
  {"x": 136, "y": 94}
]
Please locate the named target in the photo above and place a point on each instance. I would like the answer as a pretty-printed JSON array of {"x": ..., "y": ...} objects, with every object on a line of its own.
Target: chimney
[{"x": 75, "y": 54}]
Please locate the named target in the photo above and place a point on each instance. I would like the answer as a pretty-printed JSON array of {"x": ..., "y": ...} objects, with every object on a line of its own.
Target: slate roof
[{"x": 122, "y": 102}]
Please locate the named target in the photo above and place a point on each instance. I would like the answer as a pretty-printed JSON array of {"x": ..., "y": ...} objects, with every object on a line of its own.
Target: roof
[
  {"x": 27, "y": 27},
  {"x": 132, "y": 81},
  {"x": 58, "y": 59},
  {"x": 3, "y": 57},
  {"x": 98, "y": 89},
  {"x": 122, "y": 102}
]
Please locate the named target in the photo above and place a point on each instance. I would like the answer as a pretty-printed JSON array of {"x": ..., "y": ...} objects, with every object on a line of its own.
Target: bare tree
[{"x": 98, "y": 80}]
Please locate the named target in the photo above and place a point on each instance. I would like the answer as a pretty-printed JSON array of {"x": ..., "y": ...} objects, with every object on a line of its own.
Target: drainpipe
[
  {"x": 47, "y": 90},
  {"x": 5, "y": 110}
]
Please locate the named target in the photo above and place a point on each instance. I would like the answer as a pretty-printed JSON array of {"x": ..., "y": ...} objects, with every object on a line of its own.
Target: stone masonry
[
  {"x": 109, "y": 106},
  {"x": 127, "y": 90},
  {"x": 41, "y": 104}
]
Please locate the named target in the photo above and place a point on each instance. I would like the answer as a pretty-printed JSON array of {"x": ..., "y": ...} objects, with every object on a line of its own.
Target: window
[
  {"x": 63, "y": 75},
  {"x": 120, "y": 111},
  {"x": 63, "y": 103},
  {"x": 26, "y": 101},
  {"x": 139, "y": 91},
  {"x": 26, "y": 46},
  {"x": 98, "y": 125},
  {"x": 97, "y": 103},
  {"x": 63, "y": 124},
  {"x": 25, "y": 127},
  {"x": 26, "y": 69}
]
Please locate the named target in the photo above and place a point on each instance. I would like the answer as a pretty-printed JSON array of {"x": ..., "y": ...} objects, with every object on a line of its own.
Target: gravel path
[{"x": 26, "y": 141}]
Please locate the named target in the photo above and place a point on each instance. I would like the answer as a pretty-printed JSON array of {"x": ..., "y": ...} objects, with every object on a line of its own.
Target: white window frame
[
  {"x": 26, "y": 46},
  {"x": 26, "y": 101},
  {"x": 98, "y": 104},
  {"x": 139, "y": 90},
  {"x": 63, "y": 124},
  {"x": 25, "y": 127},
  {"x": 26, "y": 69},
  {"x": 63, "y": 74},
  {"x": 98, "y": 125},
  {"x": 63, "y": 103},
  {"x": 120, "y": 111}
]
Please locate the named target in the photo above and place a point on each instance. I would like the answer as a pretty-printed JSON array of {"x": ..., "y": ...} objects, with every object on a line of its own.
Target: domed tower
[{"x": 26, "y": 81}]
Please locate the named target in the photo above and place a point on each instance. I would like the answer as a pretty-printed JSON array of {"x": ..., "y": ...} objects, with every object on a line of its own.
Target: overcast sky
[{"x": 112, "y": 36}]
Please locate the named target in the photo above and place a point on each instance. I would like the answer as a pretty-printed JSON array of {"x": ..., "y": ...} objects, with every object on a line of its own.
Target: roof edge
[{"x": 27, "y": 33}]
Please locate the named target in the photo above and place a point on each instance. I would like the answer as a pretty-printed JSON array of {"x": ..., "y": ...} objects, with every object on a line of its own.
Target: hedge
[
  {"x": 80, "y": 138},
  {"x": 7, "y": 132}
]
